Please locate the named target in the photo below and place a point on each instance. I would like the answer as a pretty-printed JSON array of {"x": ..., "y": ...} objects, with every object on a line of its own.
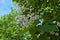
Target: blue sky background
[{"x": 5, "y": 6}]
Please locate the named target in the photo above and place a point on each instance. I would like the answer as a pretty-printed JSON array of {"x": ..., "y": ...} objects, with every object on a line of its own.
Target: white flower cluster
[
  {"x": 26, "y": 7},
  {"x": 31, "y": 16},
  {"x": 23, "y": 9},
  {"x": 58, "y": 24},
  {"x": 26, "y": 20}
]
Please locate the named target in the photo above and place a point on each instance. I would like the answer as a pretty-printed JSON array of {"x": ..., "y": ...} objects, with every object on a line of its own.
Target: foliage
[
  {"x": 49, "y": 11},
  {"x": 9, "y": 29}
]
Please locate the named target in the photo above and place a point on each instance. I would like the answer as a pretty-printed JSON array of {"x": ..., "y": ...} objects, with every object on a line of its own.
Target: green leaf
[{"x": 49, "y": 28}]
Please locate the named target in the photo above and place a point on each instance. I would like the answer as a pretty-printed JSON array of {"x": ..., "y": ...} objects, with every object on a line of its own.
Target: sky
[{"x": 5, "y": 7}]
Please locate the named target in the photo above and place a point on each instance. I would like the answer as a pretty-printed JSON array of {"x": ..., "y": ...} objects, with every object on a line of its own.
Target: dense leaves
[
  {"x": 8, "y": 27},
  {"x": 49, "y": 10},
  {"x": 49, "y": 13}
]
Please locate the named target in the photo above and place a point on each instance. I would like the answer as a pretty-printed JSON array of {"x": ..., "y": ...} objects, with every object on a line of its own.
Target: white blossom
[
  {"x": 54, "y": 22},
  {"x": 56, "y": 34},
  {"x": 47, "y": 0},
  {"x": 38, "y": 35},
  {"x": 26, "y": 20},
  {"x": 58, "y": 23}
]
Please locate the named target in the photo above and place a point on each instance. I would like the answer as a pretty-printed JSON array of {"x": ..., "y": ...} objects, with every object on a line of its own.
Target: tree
[
  {"x": 9, "y": 29},
  {"x": 49, "y": 13}
]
